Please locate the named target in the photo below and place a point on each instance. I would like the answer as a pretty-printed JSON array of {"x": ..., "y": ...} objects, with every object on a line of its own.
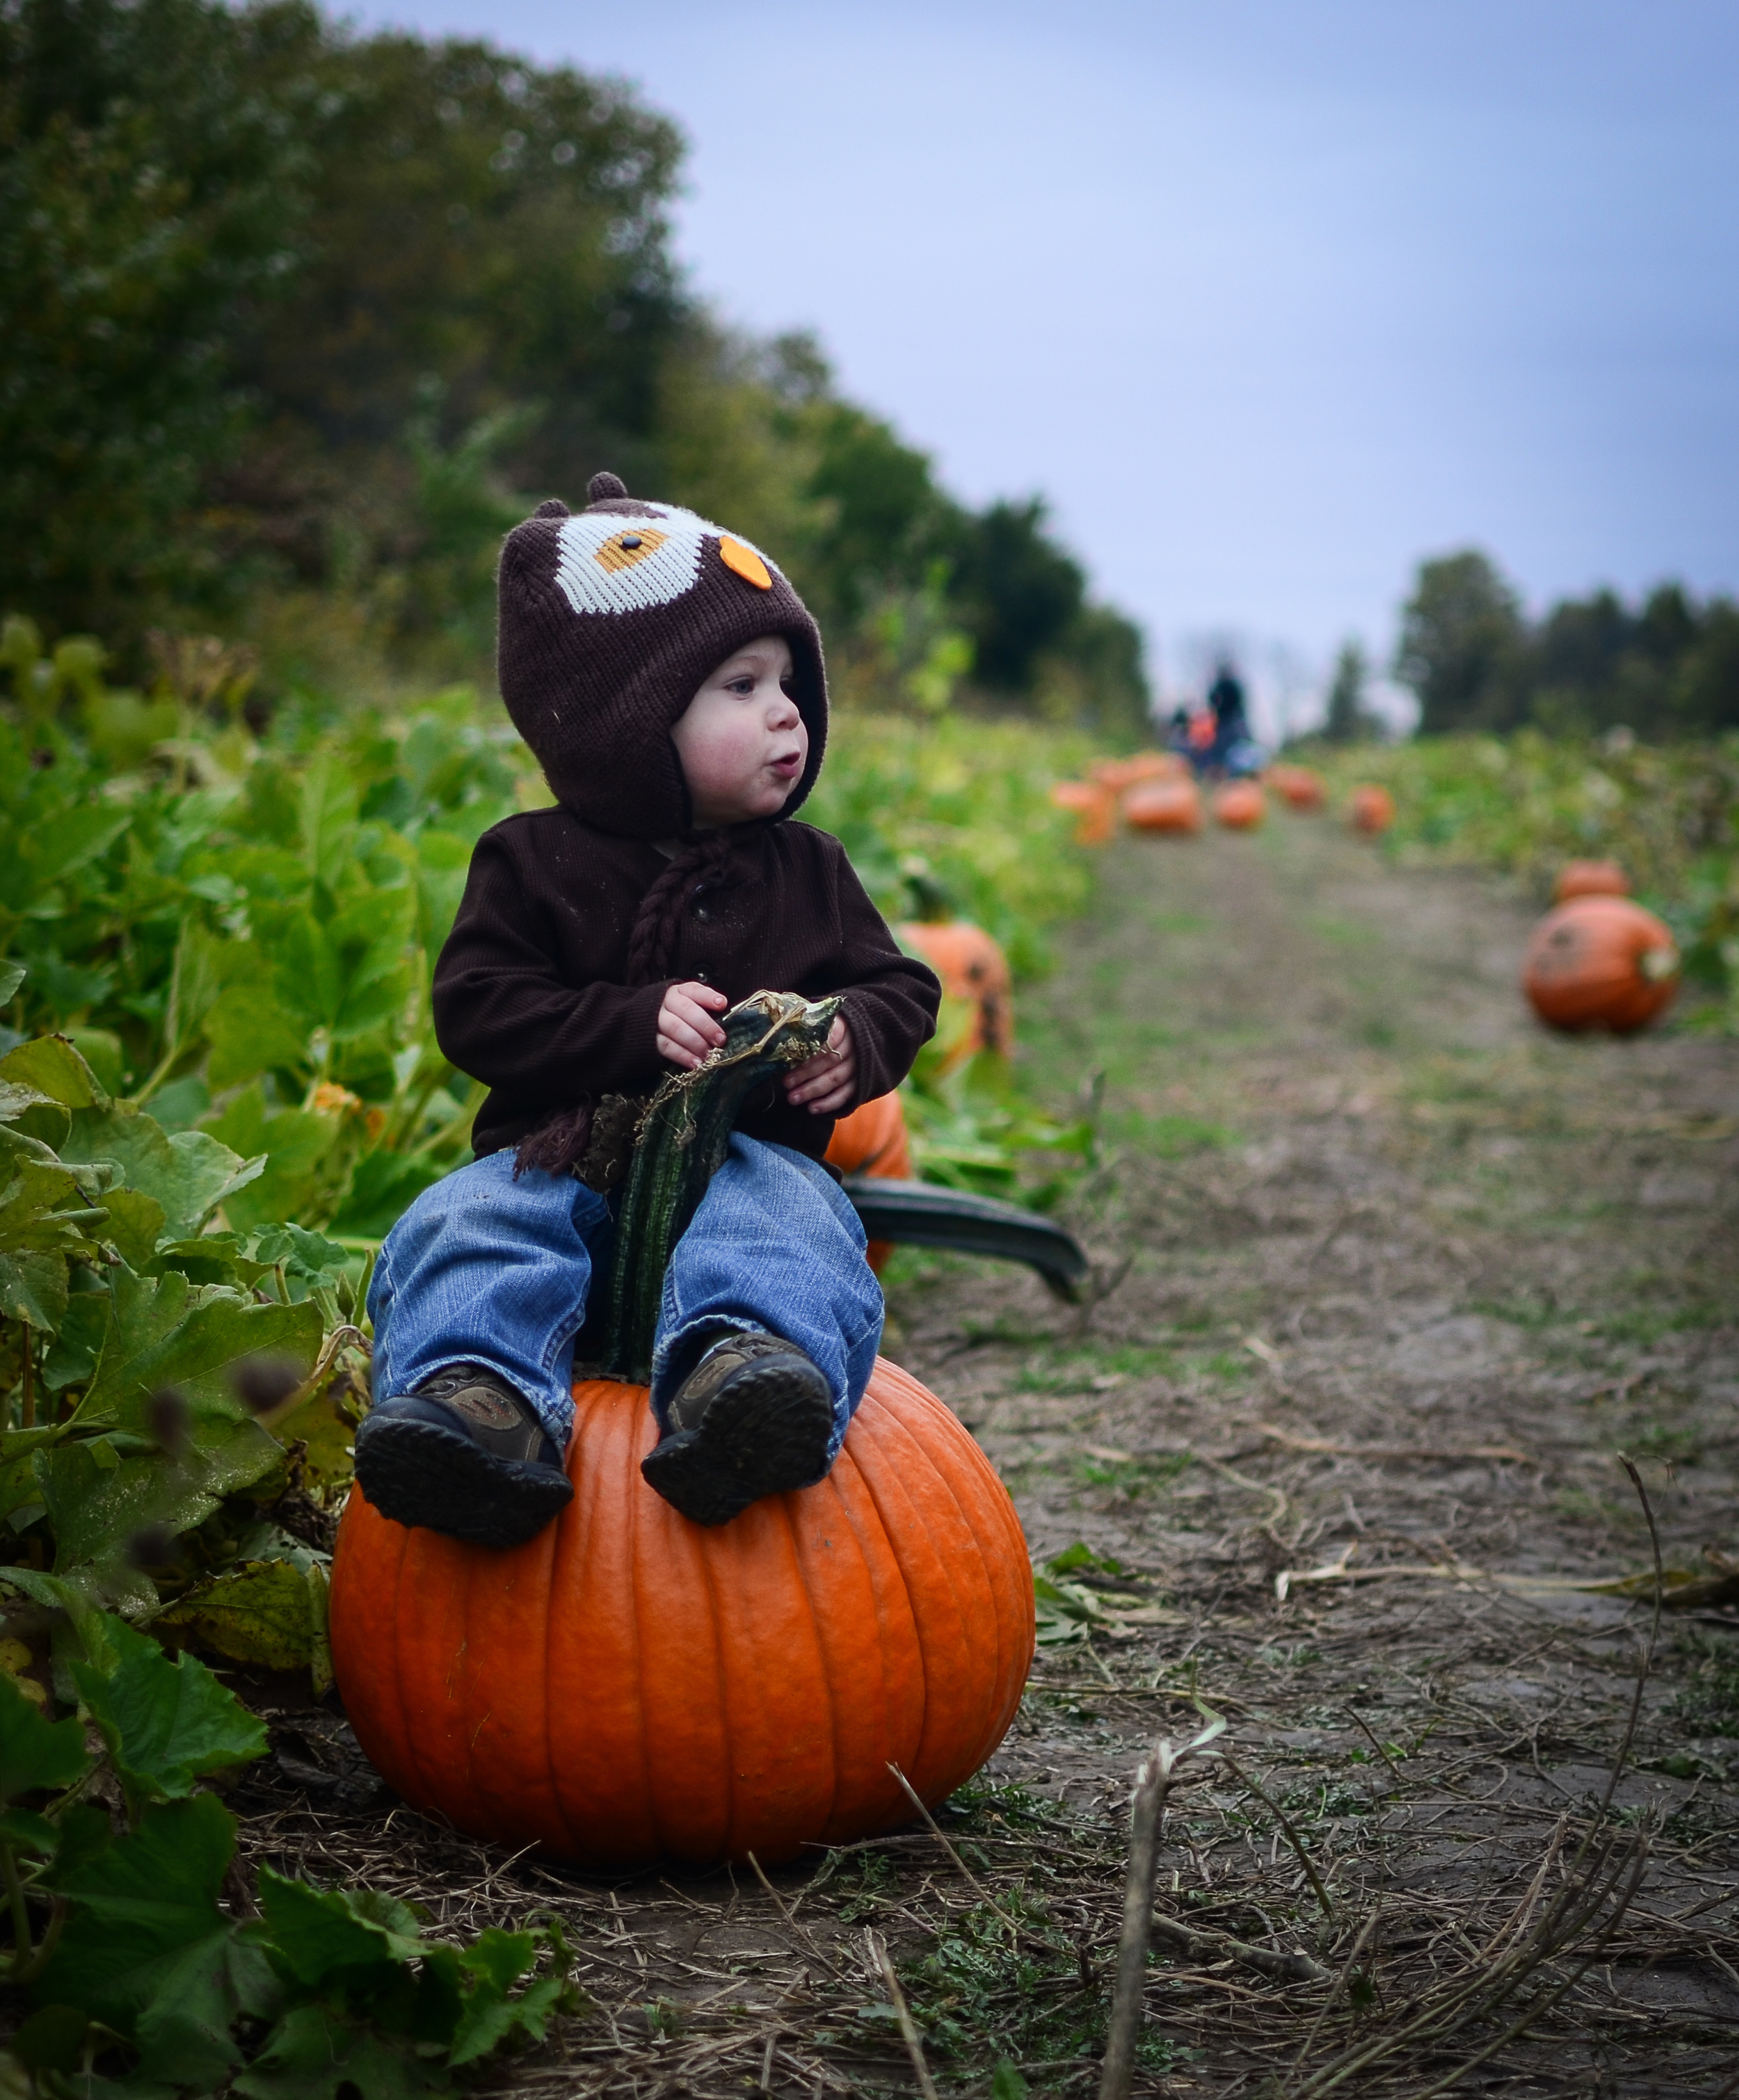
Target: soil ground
[{"x": 1385, "y": 1278}]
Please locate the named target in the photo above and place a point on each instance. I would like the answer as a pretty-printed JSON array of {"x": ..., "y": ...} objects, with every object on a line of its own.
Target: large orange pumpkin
[
  {"x": 1371, "y": 810},
  {"x": 1117, "y": 774},
  {"x": 1297, "y": 785},
  {"x": 1240, "y": 805},
  {"x": 872, "y": 1139},
  {"x": 1590, "y": 878},
  {"x": 973, "y": 969},
  {"x": 1600, "y": 962},
  {"x": 1164, "y": 805},
  {"x": 1094, "y": 806},
  {"x": 628, "y": 1687}
]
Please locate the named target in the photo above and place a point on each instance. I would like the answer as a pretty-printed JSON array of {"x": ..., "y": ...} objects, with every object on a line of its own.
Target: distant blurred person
[{"x": 1235, "y": 751}]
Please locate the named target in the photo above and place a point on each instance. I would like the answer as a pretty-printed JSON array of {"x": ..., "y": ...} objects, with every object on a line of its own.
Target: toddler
[{"x": 670, "y": 683}]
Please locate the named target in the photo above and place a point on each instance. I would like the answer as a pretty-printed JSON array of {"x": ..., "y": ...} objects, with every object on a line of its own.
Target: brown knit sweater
[{"x": 535, "y": 991}]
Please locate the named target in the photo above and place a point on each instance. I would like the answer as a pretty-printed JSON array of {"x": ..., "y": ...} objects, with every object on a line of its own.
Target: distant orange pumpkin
[
  {"x": 1164, "y": 805},
  {"x": 1600, "y": 962},
  {"x": 1372, "y": 810},
  {"x": 1297, "y": 785},
  {"x": 1117, "y": 774},
  {"x": 1590, "y": 878},
  {"x": 1095, "y": 805},
  {"x": 1240, "y": 805}
]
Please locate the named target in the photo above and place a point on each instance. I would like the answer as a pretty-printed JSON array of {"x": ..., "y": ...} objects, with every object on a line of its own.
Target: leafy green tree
[
  {"x": 151, "y": 199},
  {"x": 1017, "y": 591},
  {"x": 479, "y": 226},
  {"x": 1349, "y": 719},
  {"x": 1460, "y": 634}
]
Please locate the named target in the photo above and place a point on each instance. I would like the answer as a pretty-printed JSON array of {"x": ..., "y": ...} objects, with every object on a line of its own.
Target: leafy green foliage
[
  {"x": 167, "y": 1724},
  {"x": 325, "y": 1987}
]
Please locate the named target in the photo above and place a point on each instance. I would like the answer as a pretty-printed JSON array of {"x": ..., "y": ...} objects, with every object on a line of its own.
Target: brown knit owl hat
[{"x": 609, "y": 622}]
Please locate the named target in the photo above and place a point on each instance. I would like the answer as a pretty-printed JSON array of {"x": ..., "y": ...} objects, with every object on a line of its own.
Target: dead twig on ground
[
  {"x": 908, "y": 2028},
  {"x": 1147, "y": 1812}
]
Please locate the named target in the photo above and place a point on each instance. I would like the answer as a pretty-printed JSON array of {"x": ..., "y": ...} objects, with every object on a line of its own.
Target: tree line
[
  {"x": 1666, "y": 667},
  {"x": 294, "y": 321}
]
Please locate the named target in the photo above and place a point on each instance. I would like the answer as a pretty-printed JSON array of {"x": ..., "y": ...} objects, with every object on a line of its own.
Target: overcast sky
[{"x": 1268, "y": 297}]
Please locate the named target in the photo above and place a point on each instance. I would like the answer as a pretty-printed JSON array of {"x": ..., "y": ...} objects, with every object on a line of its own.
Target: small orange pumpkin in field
[
  {"x": 1600, "y": 962},
  {"x": 973, "y": 969},
  {"x": 628, "y": 1687},
  {"x": 1117, "y": 774},
  {"x": 1240, "y": 805},
  {"x": 872, "y": 1140},
  {"x": 1094, "y": 806},
  {"x": 1590, "y": 878},
  {"x": 1371, "y": 810},
  {"x": 1297, "y": 785},
  {"x": 1164, "y": 805}
]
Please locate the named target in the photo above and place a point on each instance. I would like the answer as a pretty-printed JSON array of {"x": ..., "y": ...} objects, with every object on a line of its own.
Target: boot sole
[
  {"x": 433, "y": 1479},
  {"x": 766, "y": 1433}
]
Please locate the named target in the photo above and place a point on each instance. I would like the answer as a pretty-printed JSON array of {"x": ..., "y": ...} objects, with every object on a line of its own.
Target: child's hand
[
  {"x": 825, "y": 1083},
  {"x": 686, "y": 1031}
]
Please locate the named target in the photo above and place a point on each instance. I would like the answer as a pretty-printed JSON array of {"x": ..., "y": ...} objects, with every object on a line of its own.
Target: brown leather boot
[{"x": 753, "y": 1418}]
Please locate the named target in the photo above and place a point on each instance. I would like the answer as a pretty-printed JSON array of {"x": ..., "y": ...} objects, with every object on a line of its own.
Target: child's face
[{"x": 742, "y": 742}]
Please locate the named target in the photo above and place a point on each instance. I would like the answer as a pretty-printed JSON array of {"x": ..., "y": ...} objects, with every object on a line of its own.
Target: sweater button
[
  {"x": 701, "y": 977},
  {"x": 702, "y": 913}
]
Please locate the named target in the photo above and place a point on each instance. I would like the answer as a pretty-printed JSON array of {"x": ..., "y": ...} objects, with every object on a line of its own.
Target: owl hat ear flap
[{"x": 610, "y": 620}]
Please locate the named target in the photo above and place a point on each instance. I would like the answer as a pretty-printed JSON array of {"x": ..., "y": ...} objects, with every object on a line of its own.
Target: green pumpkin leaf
[
  {"x": 66, "y": 843},
  {"x": 168, "y": 1332},
  {"x": 97, "y": 1509},
  {"x": 50, "y": 2040},
  {"x": 250, "y": 1033},
  {"x": 184, "y": 2033},
  {"x": 316, "y": 2053},
  {"x": 33, "y": 1287},
  {"x": 326, "y": 1936},
  {"x": 71, "y": 1359},
  {"x": 53, "y": 1067},
  {"x": 167, "y": 1724},
  {"x": 27, "y": 1832},
  {"x": 262, "y": 1613},
  {"x": 304, "y": 1156},
  {"x": 135, "y": 1225},
  {"x": 36, "y": 1753},
  {"x": 37, "y": 1114},
  {"x": 328, "y": 818},
  {"x": 382, "y": 1189},
  {"x": 189, "y": 1173},
  {"x": 138, "y": 1907},
  {"x": 12, "y": 975},
  {"x": 495, "y": 1963}
]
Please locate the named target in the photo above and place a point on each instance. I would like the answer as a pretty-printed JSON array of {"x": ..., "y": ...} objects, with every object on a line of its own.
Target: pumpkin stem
[{"x": 680, "y": 1145}]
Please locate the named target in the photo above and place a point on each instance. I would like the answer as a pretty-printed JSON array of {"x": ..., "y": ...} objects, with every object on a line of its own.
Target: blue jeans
[{"x": 484, "y": 1269}]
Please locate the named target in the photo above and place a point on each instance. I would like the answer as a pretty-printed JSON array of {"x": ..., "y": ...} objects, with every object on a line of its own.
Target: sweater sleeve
[
  {"x": 503, "y": 1014},
  {"x": 891, "y": 999}
]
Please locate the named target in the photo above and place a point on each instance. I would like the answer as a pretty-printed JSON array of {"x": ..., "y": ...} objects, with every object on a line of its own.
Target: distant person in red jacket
[{"x": 670, "y": 683}]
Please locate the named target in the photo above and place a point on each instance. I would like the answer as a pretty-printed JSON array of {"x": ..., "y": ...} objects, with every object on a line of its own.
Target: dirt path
[
  {"x": 1375, "y": 1225},
  {"x": 1367, "y": 1206}
]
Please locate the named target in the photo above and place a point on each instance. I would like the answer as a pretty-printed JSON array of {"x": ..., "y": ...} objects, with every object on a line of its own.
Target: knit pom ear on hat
[{"x": 610, "y": 621}]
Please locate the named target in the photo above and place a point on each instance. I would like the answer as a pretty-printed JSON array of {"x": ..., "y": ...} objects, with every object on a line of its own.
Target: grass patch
[
  {"x": 1078, "y": 1370},
  {"x": 1168, "y": 1136},
  {"x": 1708, "y": 1704}
]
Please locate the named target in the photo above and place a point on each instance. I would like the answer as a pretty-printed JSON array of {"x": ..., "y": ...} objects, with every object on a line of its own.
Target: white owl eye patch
[{"x": 607, "y": 563}]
